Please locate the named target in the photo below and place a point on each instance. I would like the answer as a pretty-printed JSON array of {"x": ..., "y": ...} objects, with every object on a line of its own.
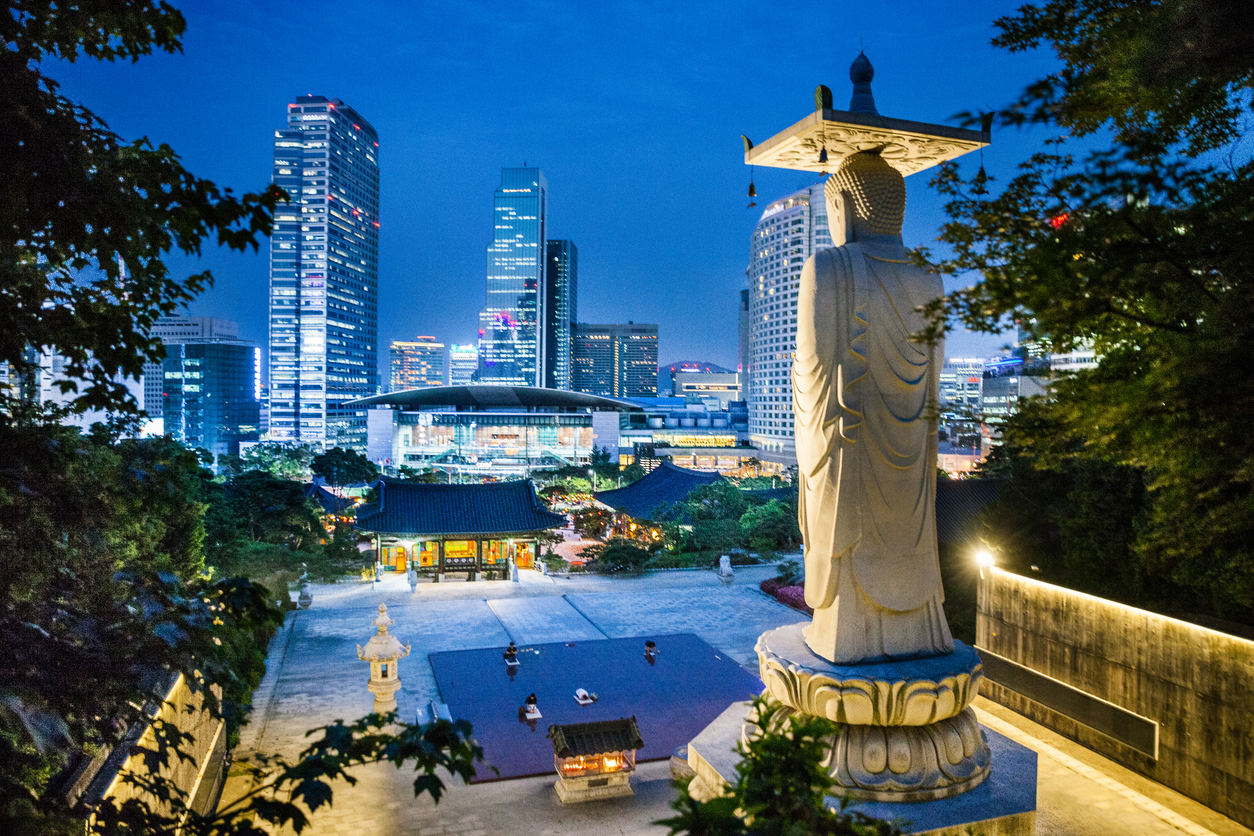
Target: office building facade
[
  {"x": 212, "y": 394},
  {"x": 961, "y": 385},
  {"x": 324, "y": 275},
  {"x": 173, "y": 330},
  {"x": 463, "y": 364},
  {"x": 416, "y": 364},
  {"x": 615, "y": 360},
  {"x": 561, "y": 297},
  {"x": 511, "y": 337},
  {"x": 790, "y": 230}
]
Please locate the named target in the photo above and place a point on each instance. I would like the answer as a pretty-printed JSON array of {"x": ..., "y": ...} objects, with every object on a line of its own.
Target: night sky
[{"x": 632, "y": 110}]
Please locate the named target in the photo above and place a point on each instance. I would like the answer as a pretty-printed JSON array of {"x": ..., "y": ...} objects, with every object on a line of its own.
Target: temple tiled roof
[
  {"x": 597, "y": 738},
  {"x": 331, "y": 504},
  {"x": 665, "y": 484},
  {"x": 497, "y": 508}
]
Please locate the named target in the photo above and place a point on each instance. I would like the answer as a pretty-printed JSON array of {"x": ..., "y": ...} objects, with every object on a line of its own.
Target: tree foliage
[
  {"x": 86, "y": 217},
  {"x": 285, "y": 793},
  {"x": 344, "y": 466},
  {"x": 274, "y": 510},
  {"x": 286, "y": 461},
  {"x": 1141, "y": 250},
  {"x": 770, "y": 527}
]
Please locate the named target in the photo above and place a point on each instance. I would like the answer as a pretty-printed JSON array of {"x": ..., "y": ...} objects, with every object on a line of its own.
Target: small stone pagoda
[
  {"x": 384, "y": 652},
  {"x": 595, "y": 760}
]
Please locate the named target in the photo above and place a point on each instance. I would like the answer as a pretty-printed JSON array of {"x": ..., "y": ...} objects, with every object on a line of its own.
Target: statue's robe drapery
[{"x": 865, "y": 427}]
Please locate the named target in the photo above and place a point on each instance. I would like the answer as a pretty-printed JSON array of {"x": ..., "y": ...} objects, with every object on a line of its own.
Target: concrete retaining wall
[{"x": 1197, "y": 684}]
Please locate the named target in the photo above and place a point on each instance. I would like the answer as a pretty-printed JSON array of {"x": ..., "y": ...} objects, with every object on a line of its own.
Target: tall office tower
[
  {"x": 511, "y": 339},
  {"x": 212, "y": 397},
  {"x": 790, "y": 230},
  {"x": 561, "y": 297},
  {"x": 173, "y": 330},
  {"x": 416, "y": 365},
  {"x": 617, "y": 361},
  {"x": 463, "y": 364},
  {"x": 324, "y": 274}
]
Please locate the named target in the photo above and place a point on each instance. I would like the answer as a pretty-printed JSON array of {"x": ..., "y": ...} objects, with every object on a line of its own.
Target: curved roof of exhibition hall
[{"x": 495, "y": 397}]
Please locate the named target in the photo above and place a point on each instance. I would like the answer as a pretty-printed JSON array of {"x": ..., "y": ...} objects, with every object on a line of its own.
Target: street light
[{"x": 592, "y": 472}]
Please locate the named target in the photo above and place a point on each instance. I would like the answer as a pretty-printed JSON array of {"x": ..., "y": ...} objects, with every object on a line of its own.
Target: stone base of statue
[
  {"x": 907, "y": 744},
  {"x": 905, "y": 729},
  {"x": 1004, "y": 803}
]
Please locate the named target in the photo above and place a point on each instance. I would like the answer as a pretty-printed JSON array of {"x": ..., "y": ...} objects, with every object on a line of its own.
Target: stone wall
[
  {"x": 1197, "y": 684},
  {"x": 196, "y": 778}
]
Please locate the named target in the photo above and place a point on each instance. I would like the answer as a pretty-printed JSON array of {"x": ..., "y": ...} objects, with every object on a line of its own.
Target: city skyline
[{"x": 662, "y": 224}]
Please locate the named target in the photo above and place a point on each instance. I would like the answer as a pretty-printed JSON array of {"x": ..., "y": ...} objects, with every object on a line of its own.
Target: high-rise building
[
  {"x": 617, "y": 361},
  {"x": 418, "y": 364},
  {"x": 463, "y": 364},
  {"x": 173, "y": 330},
  {"x": 324, "y": 274},
  {"x": 561, "y": 296},
  {"x": 788, "y": 233},
  {"x": 511, "y": 340},
  {"x": 961, "y": 381},
  {"x": 212, "y": 397}
]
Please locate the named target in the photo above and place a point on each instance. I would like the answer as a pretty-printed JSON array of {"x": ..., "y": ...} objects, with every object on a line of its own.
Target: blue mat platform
[{"x": 687, "y": 686}]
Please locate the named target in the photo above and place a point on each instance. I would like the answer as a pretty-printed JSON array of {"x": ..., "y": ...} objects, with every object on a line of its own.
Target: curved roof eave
[{"x": 495, "y": 397}]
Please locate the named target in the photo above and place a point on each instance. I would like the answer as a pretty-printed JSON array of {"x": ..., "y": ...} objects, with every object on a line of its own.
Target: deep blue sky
[{"x": 632, "y": 109}]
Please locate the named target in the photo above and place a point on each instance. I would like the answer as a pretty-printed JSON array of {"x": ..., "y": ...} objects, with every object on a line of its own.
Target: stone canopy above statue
[{"x": 907, "y": 146}]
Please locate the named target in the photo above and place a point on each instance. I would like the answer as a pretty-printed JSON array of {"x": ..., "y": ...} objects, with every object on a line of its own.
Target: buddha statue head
[{"x": 866, "y": 200}]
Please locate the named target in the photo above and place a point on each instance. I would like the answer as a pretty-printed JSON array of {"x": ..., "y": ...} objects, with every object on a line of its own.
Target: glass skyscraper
[
  {"x": 463, "y": 364},
  {"x": 212, "y": 394},
  {"x": 561, "y": 287},
  {"x": 511, "y": 334},
  {"x": 788, "y": 233},
  {"x": 324, "y": 274}
]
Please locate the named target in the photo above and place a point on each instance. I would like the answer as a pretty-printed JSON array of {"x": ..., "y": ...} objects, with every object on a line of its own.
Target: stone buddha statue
[{"x": 865, "y": 396}]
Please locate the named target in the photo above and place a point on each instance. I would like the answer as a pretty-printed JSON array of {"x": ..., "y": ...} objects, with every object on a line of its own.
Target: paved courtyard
[{"x": 314, "y": 677}]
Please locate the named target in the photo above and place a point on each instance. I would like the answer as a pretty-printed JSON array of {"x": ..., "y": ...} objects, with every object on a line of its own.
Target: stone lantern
[{"x": 384, "y": 652}]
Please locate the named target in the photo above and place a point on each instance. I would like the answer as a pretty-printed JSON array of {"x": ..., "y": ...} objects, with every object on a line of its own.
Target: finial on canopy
[{"x": 860, "y": 73}]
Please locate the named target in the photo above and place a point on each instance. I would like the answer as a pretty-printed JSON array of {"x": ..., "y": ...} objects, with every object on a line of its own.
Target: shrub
[
  {"x": 743, "y": 559},
  {"x": 770, "y": 586},
  {"x": 789, "y": 573},
  {"x": 617, "y": 557}
]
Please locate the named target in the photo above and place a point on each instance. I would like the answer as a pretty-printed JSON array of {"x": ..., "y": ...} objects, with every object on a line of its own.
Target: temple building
[{"x": 437, "y": 529}]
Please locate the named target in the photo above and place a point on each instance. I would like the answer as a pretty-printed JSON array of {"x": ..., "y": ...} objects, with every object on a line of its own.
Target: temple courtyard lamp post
[{"x": 384, "y": 652}]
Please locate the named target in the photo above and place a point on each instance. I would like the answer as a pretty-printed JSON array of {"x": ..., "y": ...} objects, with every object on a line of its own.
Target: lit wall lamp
[{"x": 985, "y": 557}]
